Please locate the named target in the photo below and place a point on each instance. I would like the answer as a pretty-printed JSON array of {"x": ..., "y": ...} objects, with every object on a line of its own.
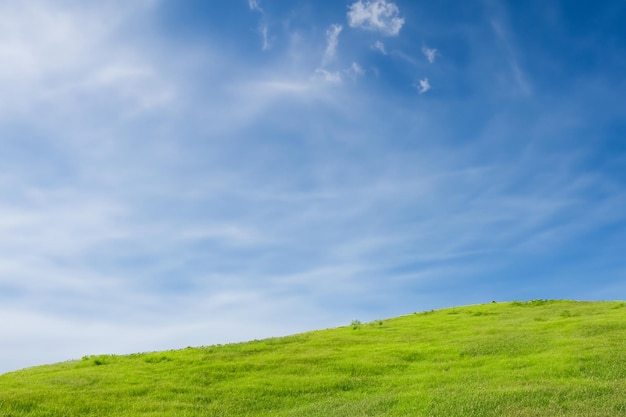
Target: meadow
[{"x": 535, "y": 358}]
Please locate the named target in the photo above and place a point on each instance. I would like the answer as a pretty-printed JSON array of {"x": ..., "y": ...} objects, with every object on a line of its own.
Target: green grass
[{"x": 538, "y": 358}]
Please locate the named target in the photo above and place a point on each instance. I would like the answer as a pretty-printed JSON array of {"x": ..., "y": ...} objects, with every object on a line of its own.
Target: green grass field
[{"x": 537, "y": 358}]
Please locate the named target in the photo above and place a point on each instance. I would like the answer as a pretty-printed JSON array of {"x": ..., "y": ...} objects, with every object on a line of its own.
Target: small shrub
[
  {"x": 355, "y": 324},
  {"x": 99, "y": 360}
]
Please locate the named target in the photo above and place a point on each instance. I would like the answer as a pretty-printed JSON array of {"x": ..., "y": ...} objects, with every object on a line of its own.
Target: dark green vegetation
[{"x": 538, "y": 358}]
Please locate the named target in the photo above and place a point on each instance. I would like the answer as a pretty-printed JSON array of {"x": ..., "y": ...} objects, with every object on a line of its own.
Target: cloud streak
[
  {"x": 266, "y": 44},
  {"x": 332, "y": 40},
  {"x": 263, "y": 27},
  {"x": 254, "y": 5},
  {"x": 520, "y": 78}
]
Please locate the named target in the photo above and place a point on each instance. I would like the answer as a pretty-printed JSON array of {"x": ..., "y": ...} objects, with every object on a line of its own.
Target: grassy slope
[{"x": 554, "y": 358}]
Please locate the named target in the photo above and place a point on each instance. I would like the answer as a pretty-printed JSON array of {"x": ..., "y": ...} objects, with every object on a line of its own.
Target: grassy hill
[{"x": 537, "y": 358}]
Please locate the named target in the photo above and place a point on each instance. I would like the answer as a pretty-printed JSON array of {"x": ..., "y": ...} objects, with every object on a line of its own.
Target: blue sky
[{"x": 183, "y": 173}]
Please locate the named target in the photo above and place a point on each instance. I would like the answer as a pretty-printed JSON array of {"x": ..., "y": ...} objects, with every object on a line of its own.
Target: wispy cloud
[
  {"x": 266, "y": 44},
  {"x": 355, "y": 71},
  {"x": 335, "y": 77},
  {"x": 375, "y": 15},
  {"x": 380, "y": 47},
  {"x": 423, "y": 86},
  {"x": 254, "y": 5},
  {"x": 407, "y": 58},
  {"x": 430, "y": 54},
  {"x": 76, "y": 44},
  {"x": 328, "y": 76},
  {"x": 519, "y": 76},
  {"x": 263, "y": 27},
  {"x": 332, "y": 40}
]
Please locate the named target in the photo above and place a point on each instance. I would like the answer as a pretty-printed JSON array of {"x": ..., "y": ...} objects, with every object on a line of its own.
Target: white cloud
[
  {"x": 407, "y": 58},
  {"x": 375, "y": 15},
  {"x": 254, "y": 5},
  {"x": 354, "y": 71},
  {"x": 263, "y": 29},
  {"x": 331, "y": 77},
  {"x": 423, "y": 86},
  {"x": 356, "y": 68},
  {"x": 332, "y": 40},
  {"x": 430, "y": 54},
  {"x": 336, "y": 77},
  {"x": 266, "y": 44},
  {"x": 59, "y": 54},
  {"x": 379, "y": 46}
]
